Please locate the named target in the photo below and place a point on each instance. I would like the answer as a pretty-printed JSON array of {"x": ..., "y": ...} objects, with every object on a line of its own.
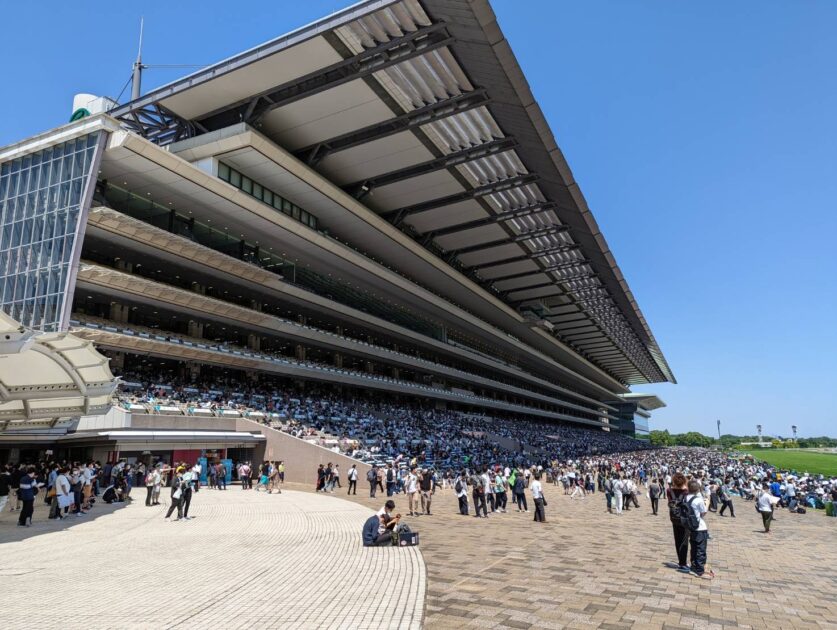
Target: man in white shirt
[
  {"x": 618, "y": 488},
  {"x": 410, "y": 483},
  {"x": 765, "y": 502},
  {"x": 699, "y": 536},
  {"x": 537, "y": 495}
]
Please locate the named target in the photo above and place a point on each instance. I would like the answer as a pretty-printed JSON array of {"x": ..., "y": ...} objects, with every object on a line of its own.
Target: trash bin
[{"x": 830, "y": 509}]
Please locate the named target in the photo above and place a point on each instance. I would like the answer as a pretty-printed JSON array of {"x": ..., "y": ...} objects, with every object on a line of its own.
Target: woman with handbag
[{"x": 177, "y": 489}]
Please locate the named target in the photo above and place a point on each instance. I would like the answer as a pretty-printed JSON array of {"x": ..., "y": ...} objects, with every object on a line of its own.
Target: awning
[{"x": 45, "y": 377}]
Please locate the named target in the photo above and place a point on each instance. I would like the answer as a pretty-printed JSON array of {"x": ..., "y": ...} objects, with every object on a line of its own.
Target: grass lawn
[{"x": 799, "y": 460}]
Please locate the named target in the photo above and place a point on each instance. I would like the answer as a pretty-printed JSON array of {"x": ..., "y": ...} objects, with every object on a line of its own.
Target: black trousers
[
  {"x": 767, "y": 518},
  {"x": 186, "y": 500},
  {"x": 681, "y": 543},
  {"x": 540, "y": 515},
  {"x": 463, "y": 504},
  {"x": 26, "y": 511},
  {"x": 655, "y": 504},
  {"x": 175, "y": 503},
  {"x": 352, "y": 487},
  {"x": 698, "y": 542},
  {"x": 149, "y": 490},
  {"x": 491, "y": 501},
  {"x": 479, "y": 503},
  {"x": 520, "y": 499},
  {"x": 372, "y": 486},
  {"x": 727, "y": 505}
]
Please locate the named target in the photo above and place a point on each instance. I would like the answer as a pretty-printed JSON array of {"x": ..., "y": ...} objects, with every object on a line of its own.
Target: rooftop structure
[{"x": 373, "y": 201}]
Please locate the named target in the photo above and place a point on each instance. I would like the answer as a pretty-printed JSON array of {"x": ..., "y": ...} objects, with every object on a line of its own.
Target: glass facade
[
  {"x": 265, "y": 195},
  {"x": 41, "y": 197}
]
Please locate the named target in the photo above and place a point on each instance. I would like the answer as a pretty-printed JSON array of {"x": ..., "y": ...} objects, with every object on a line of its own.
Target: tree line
[{"x": 693, "y": 438}]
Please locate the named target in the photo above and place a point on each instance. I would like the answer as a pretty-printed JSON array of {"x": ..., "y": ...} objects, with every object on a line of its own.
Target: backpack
[
  {"x": 371, "y": 475},
  {"x": 673, "y": 507},
  {"x": 686, "y": 515},
  {"x": 390, "y": 475},
  {"x": 458, "y": 485}
]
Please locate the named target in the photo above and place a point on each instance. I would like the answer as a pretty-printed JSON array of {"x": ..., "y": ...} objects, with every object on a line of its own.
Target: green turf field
[{"x": 800, "y": 460}]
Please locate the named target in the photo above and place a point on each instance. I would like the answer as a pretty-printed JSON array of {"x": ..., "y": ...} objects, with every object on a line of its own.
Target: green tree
[{"x": 661, "y": 438}]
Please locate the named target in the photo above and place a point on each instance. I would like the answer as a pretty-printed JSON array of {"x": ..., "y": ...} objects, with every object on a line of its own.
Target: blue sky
[{"x": 703, "y": 135}]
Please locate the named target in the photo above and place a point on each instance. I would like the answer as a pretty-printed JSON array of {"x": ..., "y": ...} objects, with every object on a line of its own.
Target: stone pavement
[
  {"x": 585, "y": 568},
  {"x": 247, "y": 560}
]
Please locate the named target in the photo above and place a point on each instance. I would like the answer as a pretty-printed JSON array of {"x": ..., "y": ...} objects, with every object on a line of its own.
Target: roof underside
[{"x": 420, "y": 110}]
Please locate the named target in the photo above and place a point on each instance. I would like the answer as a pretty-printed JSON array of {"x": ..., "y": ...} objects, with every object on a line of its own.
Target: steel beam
[
  {"x": 360, "y": 188},
  {"x": 526, "y": 256},
  {"x": 158, "y": 124},
  {"x": 535, "y": 272},
  {"x": 523, "y": 236},
  {"x": 395, "y": 51},
  {"x": 516, "y": 213},
  {"x": 314, "y": 153},
  {"x": 397, "y": 216}
]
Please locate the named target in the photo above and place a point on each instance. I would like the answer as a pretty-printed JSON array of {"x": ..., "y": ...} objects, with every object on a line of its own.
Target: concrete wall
[{"x": 301, "y": 458}]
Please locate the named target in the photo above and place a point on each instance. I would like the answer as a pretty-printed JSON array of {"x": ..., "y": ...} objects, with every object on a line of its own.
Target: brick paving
[
  {"x": 294, "y": 561},
  {"x": 247, "y": 560},
  {"x": 585, "y": 568}
]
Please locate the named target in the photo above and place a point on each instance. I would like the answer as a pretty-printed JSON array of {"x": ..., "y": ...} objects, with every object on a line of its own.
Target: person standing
[
  {"x": 28, "y": 488},
  {"x": 390, "y": 478},
  {"x": 764, "y": 504},
  {"x": 520, "y": 492},
  {"x": 478, "y": 494},
  {"x": 149, "y": 487},
  {"x": 372, "y": 478},
  {"x": 618, "y": 488},
  {"x": 5, "y": 485},
  {"x": 176, "y": 496},
  {"x": 538, "y": 498},
  {"x": 460, "y": 486},
  {"x": 411, "y": 488},
  {"x": 675, "y": 494},
  {"x": 655, "y": 490},
  {"x": 352, "y": 476},
  {"x": 725, "y": 498},
  {"x": 427, "y": 489},
  {"x": 699, "y": 536},
  {"x": 336, "y": 474}
]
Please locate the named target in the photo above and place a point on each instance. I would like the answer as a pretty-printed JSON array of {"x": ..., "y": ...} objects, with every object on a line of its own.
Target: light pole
[
  {"x": 793, "y": 428},
  {"x": 719, "y": 429},
  {"x": 758, "y": 428}
]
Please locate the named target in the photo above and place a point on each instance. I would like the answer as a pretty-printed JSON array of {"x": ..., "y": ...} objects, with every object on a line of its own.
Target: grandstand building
[{"x": 373, "y": 202}]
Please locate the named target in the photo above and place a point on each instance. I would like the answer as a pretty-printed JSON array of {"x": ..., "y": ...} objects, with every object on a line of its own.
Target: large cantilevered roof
[{"x": 419, "y": 109}]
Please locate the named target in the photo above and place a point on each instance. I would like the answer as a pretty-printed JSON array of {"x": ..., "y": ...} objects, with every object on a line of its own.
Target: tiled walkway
[
  {"x": 585, "y": 568},
  {"x": 247, "y": 560}
]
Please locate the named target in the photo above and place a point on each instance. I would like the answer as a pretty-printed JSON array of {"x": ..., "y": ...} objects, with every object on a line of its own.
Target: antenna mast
[{"x": 136, "y": 76}]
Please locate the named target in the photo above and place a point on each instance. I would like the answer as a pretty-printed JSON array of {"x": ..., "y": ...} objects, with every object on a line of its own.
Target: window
[
  {"x": 265, "y": 195},
  {"x": 40, "y": 205}
]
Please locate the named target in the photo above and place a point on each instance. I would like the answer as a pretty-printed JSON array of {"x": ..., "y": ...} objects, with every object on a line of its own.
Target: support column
[
  {"x": 119, "y": 312},
  {"x": 254, "y": 342},
  {"x": 195, "y": 329},
  {"x": 300, "y": 352},
  {"x": 338, "y": 360}
]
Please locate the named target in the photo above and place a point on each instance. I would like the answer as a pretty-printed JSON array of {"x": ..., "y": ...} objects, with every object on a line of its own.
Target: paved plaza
[
  {"x": 247, "y": 560},
  {"x": 585, "y": 568},
  {"x": 294, "y": 560}
]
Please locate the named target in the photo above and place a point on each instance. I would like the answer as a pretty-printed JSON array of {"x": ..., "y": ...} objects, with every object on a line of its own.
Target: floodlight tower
[
  {"x": 758, "y": 429},
  {"x": 793, "y": 428}
]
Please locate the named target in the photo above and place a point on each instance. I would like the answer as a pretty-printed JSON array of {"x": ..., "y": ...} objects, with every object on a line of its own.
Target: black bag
[
  {"x": 688, "y": 519},
  {"x": 458, "y": 485},
  {"x": 371, "y": 475},
  {"x": 544, "y": 501}
]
